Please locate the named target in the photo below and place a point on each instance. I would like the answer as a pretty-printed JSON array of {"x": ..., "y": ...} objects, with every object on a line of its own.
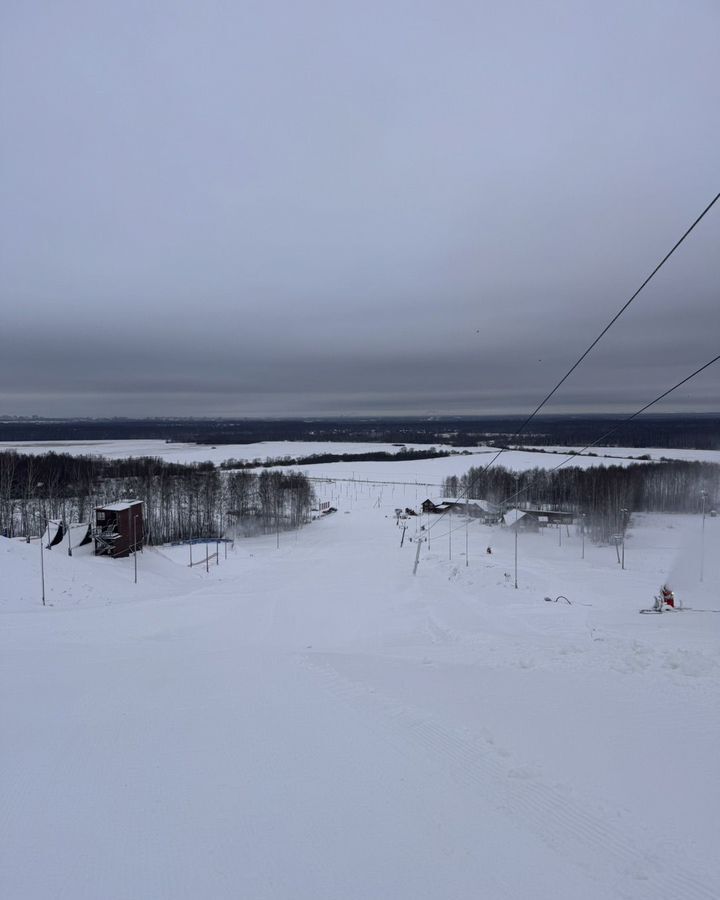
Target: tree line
[
  {"x": 401, "y": 455},
  {"x": 182, "y": 501},
  {"x": 600, "y": 493},
  {"x": 701, "y": 431}
]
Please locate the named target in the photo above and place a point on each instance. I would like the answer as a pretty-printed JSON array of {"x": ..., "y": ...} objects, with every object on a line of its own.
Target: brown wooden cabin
[{"x": 119, "y": 528}]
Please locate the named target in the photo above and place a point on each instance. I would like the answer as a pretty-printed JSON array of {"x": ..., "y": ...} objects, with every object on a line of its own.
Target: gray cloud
[{"x": 231, "y": 209}]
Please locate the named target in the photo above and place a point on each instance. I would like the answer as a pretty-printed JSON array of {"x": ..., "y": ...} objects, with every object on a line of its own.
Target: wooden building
[
  {"x": 487, "y": 512},
  {"x": 520, "y": 520},
  {"x": 551, "y": 516},
  {"x": 535, "y": 519},
  {"x": 119, "y": 528}
]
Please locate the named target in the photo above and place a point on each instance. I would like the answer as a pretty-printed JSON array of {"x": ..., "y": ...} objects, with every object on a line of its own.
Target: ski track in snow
[{"x": 568, "y": 827}]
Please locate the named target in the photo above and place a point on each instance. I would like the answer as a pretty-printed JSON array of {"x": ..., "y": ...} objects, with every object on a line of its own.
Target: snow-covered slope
[{"x": 315, "y": 722}]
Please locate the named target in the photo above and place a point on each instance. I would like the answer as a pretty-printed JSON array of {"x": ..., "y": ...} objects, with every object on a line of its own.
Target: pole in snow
[
  {"x": 467, "y": 531},
  {"x": 42, "y": 569},
  {"x": 703, "y": 494},
  {"x": 417, "y": 556},
  {"x": 135, "y": 545}
]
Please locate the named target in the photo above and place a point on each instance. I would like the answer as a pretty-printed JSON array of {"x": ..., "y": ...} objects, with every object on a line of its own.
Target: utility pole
[
  {"x": 624, "y": 525},
  {"x": 135, "y": 545},
  {"x": 516, "y": 528},
  {"x": 207, "y": 557},
  {"x": 190, "y": 530},
  {"x": 467, "y": 531},
  {"x": 583, "y": 535},
  {"x": 703, "y": 494},
  {"x": 450, "y": 536},
  {"x": 42, "y": 568}
]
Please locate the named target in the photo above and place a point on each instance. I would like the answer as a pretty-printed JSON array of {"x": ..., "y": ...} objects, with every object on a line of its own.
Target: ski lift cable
[
  {"x": 617, "y": 426},
  {"x": 597, "y": 340},
  {"x": 594, "y": 443}
]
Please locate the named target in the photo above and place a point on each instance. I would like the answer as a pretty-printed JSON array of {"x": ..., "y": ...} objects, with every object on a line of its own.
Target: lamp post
[
  {"x": 135, "y": 545},
  {"x": 516, "y": 534},
  {"x": 517, "y": 479},
  {"x": 467, "y": 532},
  {"x": 190, "y": 531},
  {"x": 42, "y": 568},
  {"x": 703, "y": 494},
  {"x": 41, "y": 519}
]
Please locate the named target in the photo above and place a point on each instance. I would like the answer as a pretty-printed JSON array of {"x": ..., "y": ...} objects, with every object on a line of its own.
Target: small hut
[
  {"x": 520, "y": 520},
  {"x": 120, "y": 528}
]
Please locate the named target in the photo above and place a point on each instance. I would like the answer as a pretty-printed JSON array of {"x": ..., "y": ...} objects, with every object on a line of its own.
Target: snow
[
  {"x": 484, "y": 505},
  {"x": 120, "y": 506},
  {"x": 315, "y": 722}
]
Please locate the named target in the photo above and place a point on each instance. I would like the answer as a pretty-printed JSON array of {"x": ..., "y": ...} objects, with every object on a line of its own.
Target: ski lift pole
[{"x": 417, "y": 556}]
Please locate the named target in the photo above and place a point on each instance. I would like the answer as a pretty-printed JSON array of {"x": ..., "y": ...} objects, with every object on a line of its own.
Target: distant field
[{"x": 430, "y": 472}]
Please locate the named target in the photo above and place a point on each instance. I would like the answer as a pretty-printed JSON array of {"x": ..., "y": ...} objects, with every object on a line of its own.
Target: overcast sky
[{"x": 254, "y": 208}]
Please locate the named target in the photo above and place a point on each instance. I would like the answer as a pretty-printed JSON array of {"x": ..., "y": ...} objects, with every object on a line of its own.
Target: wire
[
  {"x": 620, "y": 424},
  {"x": 594, "y": 443},
  {"x": 617, "y": 315},
  {"x": 597, "y": 340}
]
